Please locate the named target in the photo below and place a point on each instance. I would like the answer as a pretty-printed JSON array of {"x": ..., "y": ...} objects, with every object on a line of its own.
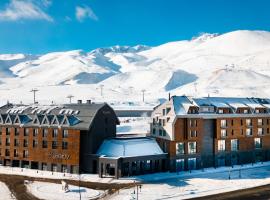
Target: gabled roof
[{"x": 10, "y": 119}]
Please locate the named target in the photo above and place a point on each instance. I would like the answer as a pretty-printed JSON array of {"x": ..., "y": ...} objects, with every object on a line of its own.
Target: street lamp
[{"x": 34, "y": 90}]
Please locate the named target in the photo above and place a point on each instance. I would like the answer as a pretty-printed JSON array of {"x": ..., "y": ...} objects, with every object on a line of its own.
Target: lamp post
[
  {"x": 34, "y": 90},
  {"x": 70, "y": 97},
  {"x": 143, "y": 91}
]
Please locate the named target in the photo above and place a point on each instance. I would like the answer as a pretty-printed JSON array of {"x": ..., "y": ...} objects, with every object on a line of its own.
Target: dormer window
[
  {"x": 245, "y": 111},
  {"x": 257, "y": 111},
  {"x": 220, "y": 111}
]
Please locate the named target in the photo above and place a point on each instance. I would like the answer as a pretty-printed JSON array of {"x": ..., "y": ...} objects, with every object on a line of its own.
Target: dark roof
[{"x": 79, "y": 116}]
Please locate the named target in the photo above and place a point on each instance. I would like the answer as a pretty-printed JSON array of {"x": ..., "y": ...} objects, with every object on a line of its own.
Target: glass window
[
  {"x": 260, "y": 122},
  {"x": 193, "y": 133},
  {"x": 65, "y": 133},
  {"x": 245, "y": 111},
  {"x": 223, "y": 132},
  {"x": 192, "y": 163},
  {"x": 64, "y": 169},
  {"x": 260, "y": 131},
  {"x": 25, "y": 143},
  {"x": 248, "y": 131},
  {"x": 7, "y": 153},
  {"x": 248, "y": 122},
  {"x": 220, "y": 111},
  {"x": 54, "y": 167},
  {"x": 192, "y": 147},
  {"x": 16, "y": 154},
  {"x": 54, "y": 144},
  {"x": 180, "y": 148},
  {"x": 44, "y": 144},
  {"x": 221, "y": 145},
  {"x": 17, "y": 131},
  {"x": 258, "y": 143},
  {"x": 7, "y": 141},
  {"x": 180, "y": 164},
  {"x": 45, "y": 132},
  {"x": 154, "y": 131},
  {"x": 16, "y": 142},
  {"x": 8, "y": 130},
  {"x": 35, "y": 143},
  {"x": 223, "y": 123},
  {"x": 26, "y": 132},
  {"x": 55, "y": 133},
  {"x": 35, "y": 132},
  {"x": 64, "y": 145},
  {"x": 234, "y": 145},
  {"x": 25, "y": 153}
]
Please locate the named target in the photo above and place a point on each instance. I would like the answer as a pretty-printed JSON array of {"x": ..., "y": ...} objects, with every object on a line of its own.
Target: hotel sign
[{"x": 59, "y": 156}]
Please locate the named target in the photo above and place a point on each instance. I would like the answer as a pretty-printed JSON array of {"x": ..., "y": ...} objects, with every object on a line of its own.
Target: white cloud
[
  {"x": 85, "y": 12},
  {"x": 25, "y": 9}
]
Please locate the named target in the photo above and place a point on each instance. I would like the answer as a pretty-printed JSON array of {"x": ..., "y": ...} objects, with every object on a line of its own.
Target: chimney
[
  {"x": 88, "y": 101},
  {"x": 79, "y": 101}
]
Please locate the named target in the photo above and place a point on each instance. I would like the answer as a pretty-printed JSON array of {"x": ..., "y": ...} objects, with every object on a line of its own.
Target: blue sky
[{"x": 40, "y": 26}]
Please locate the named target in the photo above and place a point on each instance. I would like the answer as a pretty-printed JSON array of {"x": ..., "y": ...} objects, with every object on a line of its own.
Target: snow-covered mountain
[{"x": 232, "y": 64}]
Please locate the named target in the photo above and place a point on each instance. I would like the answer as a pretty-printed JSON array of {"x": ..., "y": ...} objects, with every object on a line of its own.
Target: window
[
  {"x": 8, "y": 130},
  {"x": 44, "y": 166},
  {"x": 16, "y": 154},
  {"x": 180, "y": 148},
  {"x": 7, "y": 141},
  {"x": 55, "y": 133},
  {"x": 54, "y": 167},
  {"x": 260, "y": 131},
  {"x": 26, "y": 132},
  {"x": 248, "y": 131},
  {"x": 220, "y": 111},
  {"x": 258, "y": 143},
  {"x": 44, "y": 144},
  {"x": 54, "y": 144},
  {"x": 35, "y": 143},
  {"x": 193, "y": 133},
  {"x": 64, "y": 145},
  {"x": 168, "y": 110},
  {"x": 45, "y": 132},
  {"x": 257, "y": 111},
  {"x": 16, "y": 142},
  {"x": 223, "y": 123},
  {"x": 192, "y": 147},
  {"x": 17, "y": 131},
  {"x": 64, "y": 168},
  {"x": 154, "y": 131},
  {"x": 160, "y": 132},
  {"x": 7, "y": 153},
  {"x": 221, "y": 145},
  {"x": 192, "y": 163},
  {"x": 163, "y": 122},
  {"x": 248, "y": 122},
  {"x": 25, "y": 143},
  {"x": 164, "y": 133},
  {"x": 0, "y": 130},
  {"x": 65, "y": 133},
  {"x": 193, "y": 122},
  {"x": 223, "y": 132},
  {"x": 180, "y": 164},
  {"x": 245, "y": 111},
  {"x": 260, "y": 122},
  {"x": 25, "y": 153},
  {"x": 163, "y": 112},
  {"x": 234, "y": 145},
  {"x": 35, "y": 132}
]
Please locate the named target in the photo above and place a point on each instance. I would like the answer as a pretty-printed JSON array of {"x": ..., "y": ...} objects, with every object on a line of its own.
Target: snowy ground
[
  {"x": 187, "y": 185},
  {"x": 134, "y": 125},
  {"x": 57, "y": 175},
  {"x": 5, "y": 193},
  {"x": 52, "y": 191}
]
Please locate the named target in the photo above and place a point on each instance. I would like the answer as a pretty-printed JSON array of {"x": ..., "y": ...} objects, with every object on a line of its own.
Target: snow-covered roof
[
  {"x": 129, "y": 147},
  {"x": 181, "y": 104}
]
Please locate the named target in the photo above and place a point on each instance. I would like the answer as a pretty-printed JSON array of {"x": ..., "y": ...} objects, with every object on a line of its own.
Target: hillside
[{"x": 232, "y": 64}]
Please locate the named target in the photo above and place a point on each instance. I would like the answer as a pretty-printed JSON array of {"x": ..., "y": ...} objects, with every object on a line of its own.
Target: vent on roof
[
  {"x": 88, "y": 101},
  {"x": 79, "y": 101}
]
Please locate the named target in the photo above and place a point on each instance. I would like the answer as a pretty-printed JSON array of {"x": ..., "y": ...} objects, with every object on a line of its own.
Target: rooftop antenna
[
  {"x": 143, "y": 91},
  {"x": 70, "y": 97},
  {"x": 34, "y": 90}
]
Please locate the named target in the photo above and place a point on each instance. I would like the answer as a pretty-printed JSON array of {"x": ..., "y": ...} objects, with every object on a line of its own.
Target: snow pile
[
  {"x": 5, "y": 193},
  {"x": 52, "y": 191},
  {"x": 232, "y": 64}
]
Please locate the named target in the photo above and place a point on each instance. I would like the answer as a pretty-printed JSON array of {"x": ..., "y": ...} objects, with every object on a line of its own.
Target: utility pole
[
  {"x": 101, "y": 89},
  {"x": 143, "y": 91},
  {"x": 70, "y": 97},
  {"x": 34, "y": 90}
]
